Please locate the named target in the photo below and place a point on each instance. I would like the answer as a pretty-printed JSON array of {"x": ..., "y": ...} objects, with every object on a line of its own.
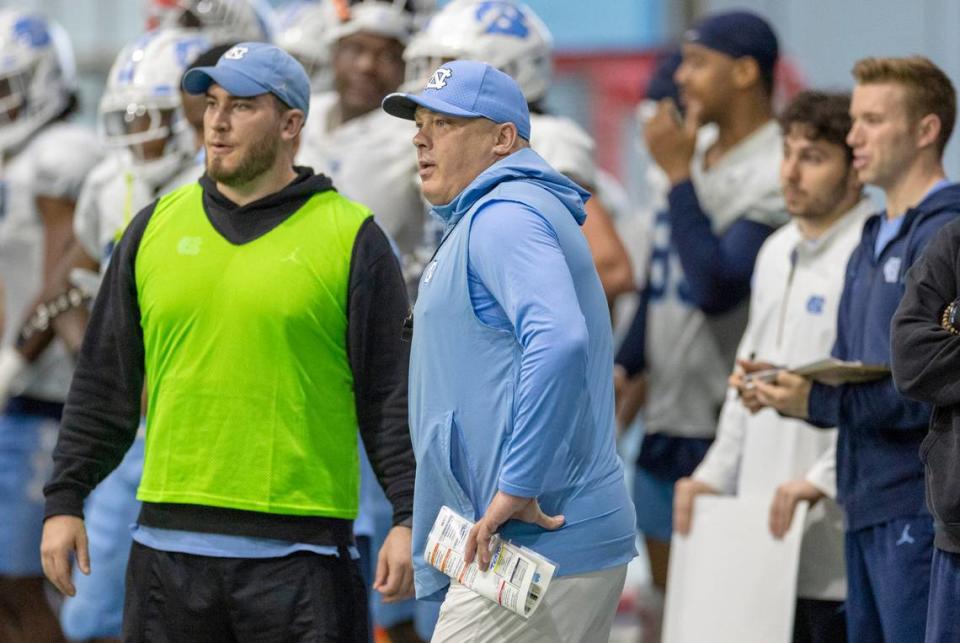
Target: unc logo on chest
[
  {"x": 891, "y": 270},
  {"x": 815, "y": 304},
  {"x": 189, "y": 246},
  {"x": 439, "y": 78}
]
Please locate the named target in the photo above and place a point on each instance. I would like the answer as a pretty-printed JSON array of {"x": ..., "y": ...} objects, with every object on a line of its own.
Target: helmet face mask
[
  {"x": 35, "y": 83},
  {"x": 142, "y": 128},
  {"x": 14, "y": 88},
  {"x": 142, "y": 112}
]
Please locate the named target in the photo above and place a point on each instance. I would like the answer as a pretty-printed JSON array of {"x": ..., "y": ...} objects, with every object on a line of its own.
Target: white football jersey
[
  {"x": 112, "y": 195},
  {"x": 565, "y": 146},
  {"x": 690, "y": 354},
  {"x": 190, "y": 173},
  {"x": 371, "y": 159},
  {"x": 53, "y": 164}
]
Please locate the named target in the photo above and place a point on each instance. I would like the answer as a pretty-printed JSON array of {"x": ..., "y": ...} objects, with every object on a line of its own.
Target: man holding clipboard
[
  {"x": 793, "y": 320},
  {"x": 903, "y": 111}
]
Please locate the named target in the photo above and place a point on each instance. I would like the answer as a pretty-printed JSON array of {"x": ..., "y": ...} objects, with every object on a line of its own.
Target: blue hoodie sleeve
[
  {"x": 516, "y": 257},
  {"x": 717, "y": 268},
  {"x": 866, "y": 407}
]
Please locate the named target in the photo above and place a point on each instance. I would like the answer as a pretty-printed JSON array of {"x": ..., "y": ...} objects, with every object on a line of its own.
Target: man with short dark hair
[
  {"x": 793, "y": 316},
  {"x": 263, "y": 309},
  {"x": 902, "y": 110},
  {"x": 721, "y": 159},
  {"x": 511, "y": 408}
]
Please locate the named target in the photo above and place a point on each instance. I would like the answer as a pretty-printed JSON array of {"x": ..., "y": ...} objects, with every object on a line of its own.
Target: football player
[
  {"x": 153, "y": 150},
  {"x": 45, "y": 159}
]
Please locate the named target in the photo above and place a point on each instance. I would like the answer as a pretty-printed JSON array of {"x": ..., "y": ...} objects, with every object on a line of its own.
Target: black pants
[
  {"x": 819, "y": 622},
  {"x": 302, "y": 597}
]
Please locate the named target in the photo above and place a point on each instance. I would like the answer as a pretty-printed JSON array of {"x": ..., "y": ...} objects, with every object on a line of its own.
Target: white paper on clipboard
[{"x": 729, "y": 579}]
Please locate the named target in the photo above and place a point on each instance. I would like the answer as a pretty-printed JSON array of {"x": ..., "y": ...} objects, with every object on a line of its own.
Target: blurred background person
[
  {"x": 724, "y": 201},
  {"x": 366, "y": 153},
  {"x": 45, "y": 159},
  {"x": 347, "y": 137},
  {"x": 903, "y": 111},
  {"x": 512, "y": 37},
  {"x": 793, "y": 317},
  {"x": 153, "y": 149}
]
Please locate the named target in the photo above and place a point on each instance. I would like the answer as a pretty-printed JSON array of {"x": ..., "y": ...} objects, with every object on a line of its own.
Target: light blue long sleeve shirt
[{"x": 529, "y": 291}]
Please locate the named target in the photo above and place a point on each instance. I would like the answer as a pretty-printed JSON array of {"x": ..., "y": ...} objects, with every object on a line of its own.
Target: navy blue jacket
[{"x": 879, "y": 473}]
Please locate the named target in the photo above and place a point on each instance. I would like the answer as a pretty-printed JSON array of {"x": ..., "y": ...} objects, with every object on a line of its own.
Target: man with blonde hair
[{"x": 903, "y": 111}]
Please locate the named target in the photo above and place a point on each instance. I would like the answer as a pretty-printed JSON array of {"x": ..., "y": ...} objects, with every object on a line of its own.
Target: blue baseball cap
[
  {"x": 468, "y": 89},
  {"x": 738, "y": 34},
  {"x": 253, "y": 68}
]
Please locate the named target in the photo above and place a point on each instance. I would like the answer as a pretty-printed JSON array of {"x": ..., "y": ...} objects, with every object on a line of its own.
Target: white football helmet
[
  {"x": 37, "y": 77},
  {"x": 301, "y": 28},
  {"x": 224, "y": 21},
  {"x": 142, "y": 104},
  {"x": 508, "y": 35},
  {"x": 390, "y": 18}
]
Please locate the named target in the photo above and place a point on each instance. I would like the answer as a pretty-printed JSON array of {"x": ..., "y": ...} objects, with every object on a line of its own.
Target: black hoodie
[
  {"x": 102, "y": 412},
  {"x": 926, "y": 367}
]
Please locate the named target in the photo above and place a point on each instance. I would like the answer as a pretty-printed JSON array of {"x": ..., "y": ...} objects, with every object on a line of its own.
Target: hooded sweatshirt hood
[
  {"x": 938, "y": 203},
  {"x": 526, "y": 165}
]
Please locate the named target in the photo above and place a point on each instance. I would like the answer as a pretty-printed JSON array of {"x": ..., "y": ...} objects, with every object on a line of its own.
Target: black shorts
[{"x": 302, "y": 597}]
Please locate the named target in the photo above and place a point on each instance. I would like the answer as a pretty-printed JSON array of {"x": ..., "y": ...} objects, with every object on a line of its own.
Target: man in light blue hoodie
[{"x": 511, "y": 399}]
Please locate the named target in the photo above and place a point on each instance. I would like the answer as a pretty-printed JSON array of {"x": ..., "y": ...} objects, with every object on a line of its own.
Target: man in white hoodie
[{"x": 797, "y": 284}]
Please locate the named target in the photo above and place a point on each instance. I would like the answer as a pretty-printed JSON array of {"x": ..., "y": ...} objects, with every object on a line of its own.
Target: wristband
[
  {"x": 44, "y": 314},
  {"x": 950, "y": 319}
]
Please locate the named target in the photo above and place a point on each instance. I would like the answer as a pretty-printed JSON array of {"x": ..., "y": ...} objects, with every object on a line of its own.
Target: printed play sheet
[{"x": 516, "y": 579}]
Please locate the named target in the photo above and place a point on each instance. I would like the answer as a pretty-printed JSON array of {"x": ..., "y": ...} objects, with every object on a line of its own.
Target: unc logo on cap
[
  {"x": 236, "y": 53},
  {"x": 439, "y": 78}
]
